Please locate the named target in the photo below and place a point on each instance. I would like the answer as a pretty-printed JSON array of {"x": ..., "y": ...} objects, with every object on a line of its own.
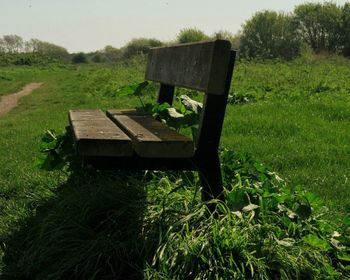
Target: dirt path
[{"x": 8, "y": 102}]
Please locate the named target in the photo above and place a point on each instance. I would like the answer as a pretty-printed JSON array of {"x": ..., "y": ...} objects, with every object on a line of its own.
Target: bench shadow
[{"x": 91, "y": 228}]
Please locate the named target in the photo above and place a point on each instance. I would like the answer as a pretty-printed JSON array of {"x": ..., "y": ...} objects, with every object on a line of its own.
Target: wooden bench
[{"x": 125, "y": 139}]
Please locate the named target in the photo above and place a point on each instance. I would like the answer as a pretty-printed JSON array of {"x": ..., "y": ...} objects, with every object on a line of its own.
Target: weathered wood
[
  {"x": 200, "y": 66},
  {"x": 96, "y": 135},
  {"x": 152, "y": 138},
  {"x": 212, "y": 117}
]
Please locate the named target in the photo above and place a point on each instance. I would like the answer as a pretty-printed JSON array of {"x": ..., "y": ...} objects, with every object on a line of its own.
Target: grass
[
  {"x": 306, "y": 141},
  {"x": 295, "y": 120}
]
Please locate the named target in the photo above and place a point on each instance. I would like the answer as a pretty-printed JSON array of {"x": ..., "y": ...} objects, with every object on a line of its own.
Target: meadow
[{"x": 289, "y": 117}]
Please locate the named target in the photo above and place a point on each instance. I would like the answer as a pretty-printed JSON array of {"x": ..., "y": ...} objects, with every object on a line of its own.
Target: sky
[{"x": 89, "y": 25}]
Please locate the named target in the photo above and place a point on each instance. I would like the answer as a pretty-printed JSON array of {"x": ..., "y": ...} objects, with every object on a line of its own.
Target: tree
[
  {"x": 320, "y": 25},
  {"x": 270, "y": 35},
  {"x": 97, "y": 57},
  {"x": 189, "y": 35},
  {"x": 2, "y": 46},
  {"x": 346, "y": 29},
  {"x": 112, "y": 54},
  {"x": 12, "y": 43},
  {"x": 47, "y": 49},
  {"x": 140, "y": 46},
  {"x": 79, "y": 58}
]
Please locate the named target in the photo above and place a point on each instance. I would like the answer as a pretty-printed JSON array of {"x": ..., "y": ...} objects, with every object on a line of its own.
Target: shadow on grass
[{"x": 91, "y": 229}]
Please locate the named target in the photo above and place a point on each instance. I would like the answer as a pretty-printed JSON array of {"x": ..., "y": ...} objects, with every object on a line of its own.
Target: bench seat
[
  {"x": 95, "y": 134},
  {"x": 152, "y": 138},
  {"x": 121, "y": 133}
]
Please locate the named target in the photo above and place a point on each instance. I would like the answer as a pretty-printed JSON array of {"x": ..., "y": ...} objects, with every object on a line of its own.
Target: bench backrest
[
  {"x": 203, "y": 66},
  {"x": 200, "y": 66}
]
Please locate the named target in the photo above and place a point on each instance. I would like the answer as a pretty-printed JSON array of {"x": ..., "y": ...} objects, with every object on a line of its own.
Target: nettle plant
[
  {"x": 263, "y": 230},
  {"x": 185, "y": 113}
]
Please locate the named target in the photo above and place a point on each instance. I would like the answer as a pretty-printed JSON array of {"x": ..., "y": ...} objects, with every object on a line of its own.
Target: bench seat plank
[
  {"x": 151, "y": 138},
  {"x": 96, "y": 135}
]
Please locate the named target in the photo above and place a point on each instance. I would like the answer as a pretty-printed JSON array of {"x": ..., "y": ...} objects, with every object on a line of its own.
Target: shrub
[
  {"x": 112, "y": 54},
  {"x": 79, "y": 58},
  {"x": 189, "y": 35},
  {"x": 140, "y": 46}
]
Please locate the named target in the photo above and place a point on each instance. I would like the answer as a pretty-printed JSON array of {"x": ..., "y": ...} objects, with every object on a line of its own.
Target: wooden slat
[
  {"x": 152, "y": 138},
  {"x": 96, "y": 135},
  {"x": 200, "y": 66}
]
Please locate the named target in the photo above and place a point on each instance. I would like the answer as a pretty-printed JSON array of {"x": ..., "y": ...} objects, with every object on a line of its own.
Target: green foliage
[
  {"x": 270, "y": 35},
  {"x": 11, "y": 43},
  {"x": 346, "y": 29},
  {"x": 15, "y": 46},
  {"x": 111, "y": 54},
  {"x": 57, "y": 151},
  {"x": 189, "y": 35},
  {"x": 64, "y": 225},
  {"x": 28, "y": 59},
  {"x": 47, "y": 49},
  {"x": 155, "y": 225},
  {"x": 140, "y": 46},
  {"x": 79, "y": 58},
  {"x": 263, "y": 231},
  {"x": 320, "y": 25}
]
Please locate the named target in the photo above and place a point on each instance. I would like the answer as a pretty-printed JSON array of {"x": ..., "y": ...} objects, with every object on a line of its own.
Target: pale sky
[{"x": 88, "y": 25}]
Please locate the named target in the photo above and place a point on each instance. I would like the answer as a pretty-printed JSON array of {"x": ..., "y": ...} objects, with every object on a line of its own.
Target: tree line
[
  {"x": 319, "y": 27},
  {"x": 11, "y": 44},
  {"x": 322, "y": 27}
]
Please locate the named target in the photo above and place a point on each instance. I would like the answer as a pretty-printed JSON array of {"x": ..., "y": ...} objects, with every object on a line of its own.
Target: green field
[{"x": 294, "y": 117}]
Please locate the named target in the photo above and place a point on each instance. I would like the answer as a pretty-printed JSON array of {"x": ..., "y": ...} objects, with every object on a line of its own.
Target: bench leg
[{"x": 210, "y": 178}]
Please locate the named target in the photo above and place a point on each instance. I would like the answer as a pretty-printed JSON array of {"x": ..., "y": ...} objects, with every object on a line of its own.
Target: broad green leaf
[
  {"x": 314, "y": 241},
  {"x": 133, "y": 89},
  {"x": 346, "y": 221},
  {"x": 315, "y": 202},
  {"x": 343, "y": 257},
  {"x": 126, "y": 90},
  {"x": 237, "y": 199},
  {"x": 140, "y": 87}
]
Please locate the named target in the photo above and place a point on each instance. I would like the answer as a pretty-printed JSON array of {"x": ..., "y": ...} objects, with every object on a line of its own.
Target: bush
[
  {"x": 346, "y": 29},
  {"x": 189, "y": 35},
  {"x": 29, "y": 59},
  {"x": 140, "y": 46},
  {"x": 98, "y": 58},
  {"x": 79, "y": 58}
]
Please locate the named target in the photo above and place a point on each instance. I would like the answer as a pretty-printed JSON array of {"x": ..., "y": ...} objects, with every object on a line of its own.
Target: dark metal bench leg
[{"x": 210, "y": 178}]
